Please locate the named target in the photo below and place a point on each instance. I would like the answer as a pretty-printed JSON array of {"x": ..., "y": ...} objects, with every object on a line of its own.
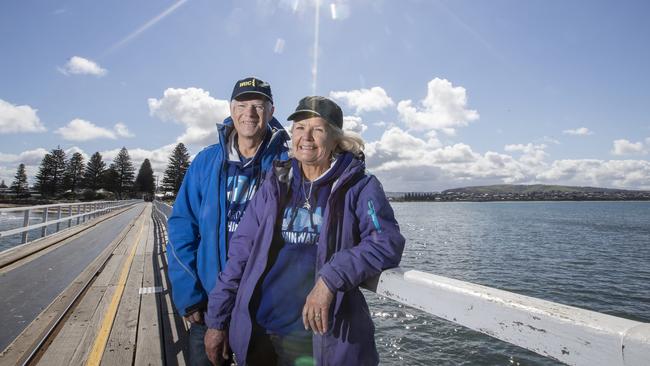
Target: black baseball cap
[
  {"x": 252, "y": 85},
  {"x": 321, "y": 107}
]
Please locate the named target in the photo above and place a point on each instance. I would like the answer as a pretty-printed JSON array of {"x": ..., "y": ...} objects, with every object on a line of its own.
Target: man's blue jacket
[{"x": 197, "y": 248}]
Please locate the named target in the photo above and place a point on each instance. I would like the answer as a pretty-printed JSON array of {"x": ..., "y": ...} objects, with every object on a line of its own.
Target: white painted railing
[
  {"x": 64, "y": 212},
  {"x": 568, "y": 334}
]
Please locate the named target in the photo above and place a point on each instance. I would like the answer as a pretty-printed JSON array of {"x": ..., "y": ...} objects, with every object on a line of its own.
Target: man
[{"x": 215, "y": 192}]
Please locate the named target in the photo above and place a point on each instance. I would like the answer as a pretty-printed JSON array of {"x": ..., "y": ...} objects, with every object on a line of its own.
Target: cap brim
[
  {"x": 293, "y": 115},
  {"x": 253, "y": 92}
]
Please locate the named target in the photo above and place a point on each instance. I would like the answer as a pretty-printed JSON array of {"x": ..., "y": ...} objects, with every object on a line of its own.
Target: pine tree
[
  {"x": 19, "y": 185},
  {"x": 44, "y": 174},
  {"x": 94, "y": 172},
  {"x": 179, "y": 161},
  {"x": 3, "y": 185},
  {"x": 74, "y": 172},
  {"x": 144, "y": 181},
  {"x": 122, "y": 173},
  {"x": 49, "y": 179}
]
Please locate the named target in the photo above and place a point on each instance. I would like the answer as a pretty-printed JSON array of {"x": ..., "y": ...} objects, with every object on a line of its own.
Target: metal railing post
[
  {"x": 58, "y": 217},
  {"x": 26, "y": 224},
  {"x": 69, "y": 215},
  {"x": 78, "y": 213},
  {"x": 44, "y": 229}
]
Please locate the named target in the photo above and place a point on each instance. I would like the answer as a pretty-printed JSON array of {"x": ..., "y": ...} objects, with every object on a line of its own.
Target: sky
[{"x": 445, "y": 94}]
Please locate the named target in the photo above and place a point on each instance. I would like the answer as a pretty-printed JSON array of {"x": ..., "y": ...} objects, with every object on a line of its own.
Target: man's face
[{"x": 250, "y": 114}]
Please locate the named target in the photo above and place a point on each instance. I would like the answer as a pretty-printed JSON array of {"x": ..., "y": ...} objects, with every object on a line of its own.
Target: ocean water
[
  {"x": 593, "y": 255},
  {"x": 13, "y": 220}
]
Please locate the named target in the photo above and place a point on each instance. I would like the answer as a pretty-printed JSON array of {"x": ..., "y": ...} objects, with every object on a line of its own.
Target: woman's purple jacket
[{"x": 359, "y": 239}]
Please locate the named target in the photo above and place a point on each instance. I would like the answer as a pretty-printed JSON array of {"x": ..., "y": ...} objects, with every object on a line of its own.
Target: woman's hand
[
  {"x": 315, "y": 313},
  {"x": 216, "y": 345}
]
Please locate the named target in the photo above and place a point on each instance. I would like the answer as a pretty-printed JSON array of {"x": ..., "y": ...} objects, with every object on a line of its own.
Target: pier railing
[
  {"x": 66, "y": 215},
  {"x": 568, "y": 334}
]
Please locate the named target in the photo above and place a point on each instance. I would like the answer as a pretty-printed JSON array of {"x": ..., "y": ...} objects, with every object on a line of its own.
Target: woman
[{"x": 318, "y": 228}]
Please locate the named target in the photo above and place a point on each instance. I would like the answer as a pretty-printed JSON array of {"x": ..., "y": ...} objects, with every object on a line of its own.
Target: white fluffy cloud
[
  {"x": 82, "y": 130},
  {"x": 444, "y": 108},
  {"x": 625, "y": 147},
  {"x": 364, "y": 100},
  {"x": 82, "y": 66},
  {"x": 122, "y": 131},
  {"x": 580, "y": 131},
  {"x": 354, "y": 124},
  {"x": 32, "y": 160},
  {"x": 158, "y": 157},
  {"x": 405, "y": 162},
  {"x": 195, "y": 109},
  {"x": 18, "y": 118}
]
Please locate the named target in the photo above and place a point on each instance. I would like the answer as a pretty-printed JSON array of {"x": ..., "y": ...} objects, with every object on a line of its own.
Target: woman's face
[{"x": 312, "y": 142}]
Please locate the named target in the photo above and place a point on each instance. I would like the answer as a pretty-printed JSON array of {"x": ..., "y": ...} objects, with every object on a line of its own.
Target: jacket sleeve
[
  {"x": 222, "y": 297},
  {"x": 380, "y": 246},
  {"x": 183, "y": 244}
]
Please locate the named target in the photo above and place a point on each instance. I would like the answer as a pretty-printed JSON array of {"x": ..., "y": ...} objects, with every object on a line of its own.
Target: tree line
[{"x": 59, "y": 176}]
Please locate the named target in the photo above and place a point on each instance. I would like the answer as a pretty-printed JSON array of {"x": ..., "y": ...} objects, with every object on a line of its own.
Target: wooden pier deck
[{"x": 122, "y": 313}]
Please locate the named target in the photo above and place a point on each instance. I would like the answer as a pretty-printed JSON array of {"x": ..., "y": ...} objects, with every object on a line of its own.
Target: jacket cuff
[
  {"x": 200, "y": 306},
  {"x": 213, "y": 323},
  {"x": 332, "y": 279}
]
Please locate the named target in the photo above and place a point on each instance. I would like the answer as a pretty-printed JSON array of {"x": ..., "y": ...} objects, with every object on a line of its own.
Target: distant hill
[{"x": 532, "y": 188}]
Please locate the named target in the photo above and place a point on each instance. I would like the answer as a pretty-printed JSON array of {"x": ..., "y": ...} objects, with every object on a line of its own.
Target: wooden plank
[
  {"x": 121, "y": 343},
  {"x": 70, "y": 344},
  {"x": 96, "y": 351},
  {"x": 79, "y": 331},
  {"x": 174, "y": 328},
  {"x": 149, "y": 347}
]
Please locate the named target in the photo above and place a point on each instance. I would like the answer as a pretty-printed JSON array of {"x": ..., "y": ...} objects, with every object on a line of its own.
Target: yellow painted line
[{"x": 95, "y": 357}]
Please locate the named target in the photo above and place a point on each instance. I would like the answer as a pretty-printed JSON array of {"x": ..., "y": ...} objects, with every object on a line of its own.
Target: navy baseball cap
[
  {"x": 320, "y": 107},
  {"x": 252, "y": 85}
]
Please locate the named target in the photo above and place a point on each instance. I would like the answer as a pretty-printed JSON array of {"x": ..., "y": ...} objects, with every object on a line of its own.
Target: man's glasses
[{"x": 242, "y": 107}]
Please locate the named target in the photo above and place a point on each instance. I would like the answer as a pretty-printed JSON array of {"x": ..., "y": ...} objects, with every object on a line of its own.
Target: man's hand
[
  {"x": 195, "y": 317},
  {"x": 315, "y": 313},
  {"x": 216, "y": 345}
]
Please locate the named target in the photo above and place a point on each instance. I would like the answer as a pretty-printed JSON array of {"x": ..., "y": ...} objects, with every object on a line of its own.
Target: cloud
[
  {"x": 82, "y": 130},
  {"x": 405, "y": 162},
  {"x": 122, "y": 131},
  {"x": 195, "y": 109},
  {"x": 81, "y": 66},
  {"x": 29, "y": 157},
  {"x": 364, "y": 100},
  {"x": 532, "y": 154},
  {"x": 633, "y": 174},
  {"x": 32, "y": 160},
  {"x": 159, "y": 158},
  {"x": 444, "y": 108},
  {"x": 18, "y": 118},
  {"x": 581, "y": 131},
  {"x": 625, "y": 147},
  {"x": 354, "y": 124}
]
